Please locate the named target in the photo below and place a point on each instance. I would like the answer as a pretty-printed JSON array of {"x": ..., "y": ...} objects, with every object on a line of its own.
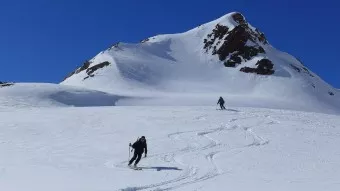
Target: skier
[
  {"x": 221, "y": 102},
  {"x": 139, "y": 146}
]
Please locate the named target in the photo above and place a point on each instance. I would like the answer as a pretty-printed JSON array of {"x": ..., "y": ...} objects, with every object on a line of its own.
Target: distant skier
[
  {"x": 140, "y": 147},
  {"x": 221, "y": 102}
]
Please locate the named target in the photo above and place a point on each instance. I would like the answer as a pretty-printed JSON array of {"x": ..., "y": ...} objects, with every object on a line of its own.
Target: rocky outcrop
[
  {"x": 239, "y": 18},
  {"x": 215, "y": 37},
  {"x": 253, "y": 35},
  {"x": 92, "y": 69},
  {"x": 245, "y": 53},
  {"x": 242, "y": 43},
  {"x": 264, "y": 67},
  {"x": 85, "y": 66},
  {"x": 115, "y": 45},
  {"x": 5, "y": 84},
  {"x": 144, "y": 40},
  {"x": 89, "y": 70},
  {"x": 301, "y": 69},
  {"x": 234, "y": 41},
  {"x": 233, "y": 61}
]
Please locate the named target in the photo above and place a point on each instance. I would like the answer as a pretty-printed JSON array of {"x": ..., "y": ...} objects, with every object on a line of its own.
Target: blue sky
[{"x": 44, "y": 40}]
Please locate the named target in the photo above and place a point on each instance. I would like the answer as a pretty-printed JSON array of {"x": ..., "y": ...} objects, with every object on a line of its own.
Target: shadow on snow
[{"x": 234, "y": 110}]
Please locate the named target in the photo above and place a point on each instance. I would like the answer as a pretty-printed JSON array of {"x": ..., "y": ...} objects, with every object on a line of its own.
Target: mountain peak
[
  {"x": 232, "y": 17},
  {"x": 227, "y": 55},
  {"x": 234, "y": 42}
]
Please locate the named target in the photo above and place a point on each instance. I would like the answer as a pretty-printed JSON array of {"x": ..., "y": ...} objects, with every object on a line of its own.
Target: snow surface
[{"x": 190, "y": 148}]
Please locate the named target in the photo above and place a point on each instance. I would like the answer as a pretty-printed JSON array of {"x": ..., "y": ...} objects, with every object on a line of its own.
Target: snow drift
[{"x": 51, "y": 95}]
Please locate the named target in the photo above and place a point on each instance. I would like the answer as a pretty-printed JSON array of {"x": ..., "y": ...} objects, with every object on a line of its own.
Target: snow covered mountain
[{"x": 227, "y": 57}]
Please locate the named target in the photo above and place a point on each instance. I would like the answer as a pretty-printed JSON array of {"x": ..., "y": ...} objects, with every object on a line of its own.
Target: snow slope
[
  {"x": 185, "y": 64},
  {"x": 27, "y": 95},
  {"x": 190, "y": 148}
]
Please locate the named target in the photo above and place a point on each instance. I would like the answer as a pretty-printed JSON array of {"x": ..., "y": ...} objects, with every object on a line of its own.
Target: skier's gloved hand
[{"x": 145, "y": 156}]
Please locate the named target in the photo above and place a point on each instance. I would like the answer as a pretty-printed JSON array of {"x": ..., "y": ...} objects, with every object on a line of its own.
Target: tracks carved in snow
[
  {"x": 257, "y": 140},
  {"x": 199, "y": 144},
  {"x": 210, "y": 169}
]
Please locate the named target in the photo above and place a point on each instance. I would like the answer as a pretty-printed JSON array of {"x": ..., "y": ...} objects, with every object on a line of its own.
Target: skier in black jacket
[
  {"x": 221, "y": 102},
  {"x": 140, "y": 147}
]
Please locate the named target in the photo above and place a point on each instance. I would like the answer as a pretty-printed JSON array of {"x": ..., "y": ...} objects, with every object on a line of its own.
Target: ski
[{"x": 136, "y": 168}]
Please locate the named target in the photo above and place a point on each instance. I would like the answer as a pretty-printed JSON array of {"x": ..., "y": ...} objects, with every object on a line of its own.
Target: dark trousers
[
  {"x": 222, "y": 105},
  {"x": 137, "y": 156}
]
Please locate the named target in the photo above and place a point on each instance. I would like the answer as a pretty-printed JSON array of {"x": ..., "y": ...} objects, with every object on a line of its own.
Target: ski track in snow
[{"x": 194, "y": 174}]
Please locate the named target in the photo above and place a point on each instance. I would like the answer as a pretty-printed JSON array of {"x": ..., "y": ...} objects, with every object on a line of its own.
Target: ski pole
[{"x": 129, "y": 151}]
